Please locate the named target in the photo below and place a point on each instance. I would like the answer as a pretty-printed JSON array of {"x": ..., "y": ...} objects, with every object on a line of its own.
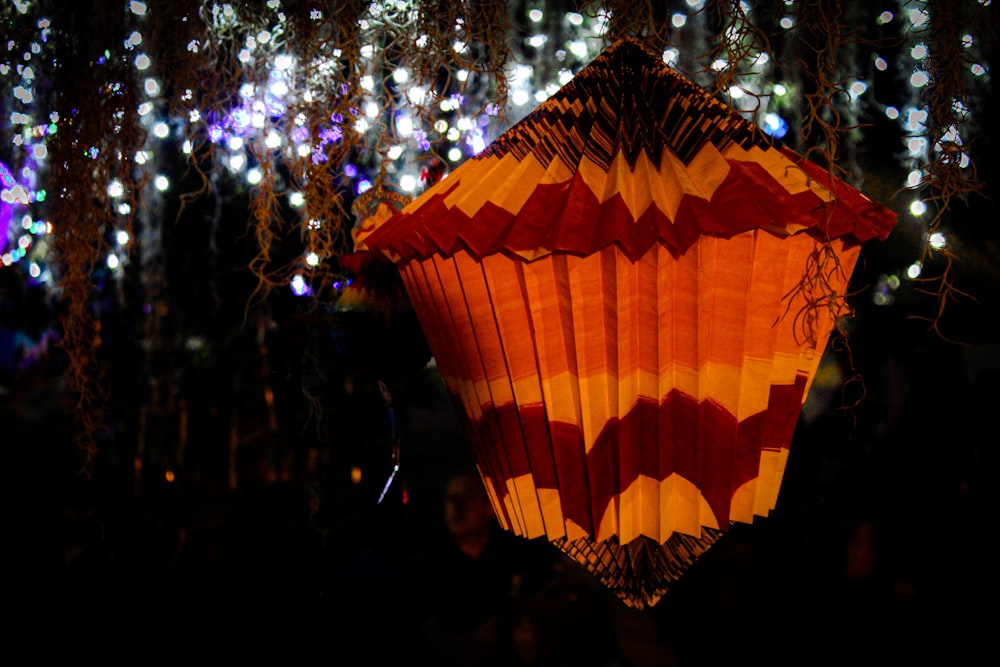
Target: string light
[{"x": 268, "y": 107}]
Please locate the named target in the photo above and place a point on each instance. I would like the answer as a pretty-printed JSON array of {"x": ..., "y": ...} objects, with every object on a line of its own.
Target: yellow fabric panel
[
  {"x": 772, "y": 472},
  {"x": 678, "y": 329},
  {"x": 687, "y": 490},
  {"x": 574, "y": 531},
  {"x": 505, "y": 181},
  {"x": 722, "y": 313},
  {"x": 557, "y": 172},
  {"x": 682, "y": 378},
  {"x": 620, "y": 179},
  {"x": 767, "y": 288},
  {"x": 562, "y": 398},
  {"x": 638, "y": 305},
  {"x": 546, "y": 285},
  {"x": 647, "y": 184},
  {"x": 711, "y": 168},
  {"x": 514, "y": 324},
  {"x": 512, "y": 510},
  {"x": 744, "y": 499},
  {"x": 765, "y": 332},
  {"x": 608, "y": 526},
  {"x": 483, "y": 332},
  {"x": 754, "y": 385},
  {"x": 793, "y": 179},
  {"x": 682, "y": 508},
  {"x": 594, "y": 319},
  {"x": 639, "y": 507},
  {"x": 785, "y": 366},
  {"x": 658, "y": 510},
  {"x": 451, "y": 295},
  {"x": 429, "y": 294},
  {"x": 759, "y": 496},
  {"x": 598, "y": 399},
  {"x": 552, "y": 513},
  {"x": 529, "y": 509}
]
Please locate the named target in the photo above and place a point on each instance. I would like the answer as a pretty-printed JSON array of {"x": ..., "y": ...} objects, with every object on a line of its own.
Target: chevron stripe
[
  {"x": 662, "y": 369},
  {"x": 628, "y": 153},
  {"x": 654, "y": 487},
  {"x": 699, "y": 324}
]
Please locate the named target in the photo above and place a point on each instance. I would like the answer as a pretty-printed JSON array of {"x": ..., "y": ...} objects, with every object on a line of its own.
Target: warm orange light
[
  {"x": 612, "y": 291},
  {"x": 355, "y": 474}
]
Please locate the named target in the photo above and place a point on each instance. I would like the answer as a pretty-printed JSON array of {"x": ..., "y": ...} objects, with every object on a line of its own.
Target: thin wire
[{"x": 387, "y": 397}]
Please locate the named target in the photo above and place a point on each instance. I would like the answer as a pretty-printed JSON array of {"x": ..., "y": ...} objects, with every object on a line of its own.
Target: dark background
[{"x": 880, "y": 550}]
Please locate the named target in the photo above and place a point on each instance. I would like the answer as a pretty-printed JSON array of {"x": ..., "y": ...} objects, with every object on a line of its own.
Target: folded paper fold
[{"x": 606, "y": 290}]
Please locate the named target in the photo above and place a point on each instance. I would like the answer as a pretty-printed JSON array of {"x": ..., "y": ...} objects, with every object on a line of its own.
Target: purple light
[
  {"x": 422, "y": 141},
  {"x": 6, "y": 204},
  {"x": 275, "y": 106},
  {"x": 240, "y": 120},
  {"x": 6, "y": 214},
  {"x": 331, "y": 135}
]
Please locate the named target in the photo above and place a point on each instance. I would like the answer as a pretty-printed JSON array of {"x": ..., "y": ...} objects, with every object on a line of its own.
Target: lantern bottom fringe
[{"x": 640, "y": 572}]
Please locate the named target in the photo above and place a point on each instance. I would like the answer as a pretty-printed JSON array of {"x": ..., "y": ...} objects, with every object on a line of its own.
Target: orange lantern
[{"x": 610, "y": 291}]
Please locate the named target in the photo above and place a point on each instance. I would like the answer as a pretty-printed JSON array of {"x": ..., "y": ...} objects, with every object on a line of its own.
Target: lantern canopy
[{"x": 612, "y": 291}]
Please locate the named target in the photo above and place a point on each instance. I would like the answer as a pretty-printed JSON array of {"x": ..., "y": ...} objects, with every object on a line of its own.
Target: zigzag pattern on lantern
[
  {"x": 653, "y": 472},
  {"x": 583, "y": 171},
  {"x": 626, "y": 103},
  {"x": 582, "y": 409},
  {"x": 611, "y": 292},
  {"x": 502, "y": 204}
]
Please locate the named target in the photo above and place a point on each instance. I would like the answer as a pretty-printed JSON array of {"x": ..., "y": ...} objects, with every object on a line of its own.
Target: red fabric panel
[
  {"x": 699, "y": 441},
  {"x": 567, "y": 217}
]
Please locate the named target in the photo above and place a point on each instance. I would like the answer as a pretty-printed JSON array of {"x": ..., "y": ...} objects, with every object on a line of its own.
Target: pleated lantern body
[{"x": 611, "y": 291}]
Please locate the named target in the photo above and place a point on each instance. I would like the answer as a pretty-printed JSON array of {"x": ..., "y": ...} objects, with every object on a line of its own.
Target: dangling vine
[
  {"x": 98, "y": 135},
  {"x": 950, "y": 175},
  {"x": 824, "y": 35},
  {"x": 304, "y": 108}
]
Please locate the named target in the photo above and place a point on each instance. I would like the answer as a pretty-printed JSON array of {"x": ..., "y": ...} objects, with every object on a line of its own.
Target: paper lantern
[{"x": 611, "y": 292}]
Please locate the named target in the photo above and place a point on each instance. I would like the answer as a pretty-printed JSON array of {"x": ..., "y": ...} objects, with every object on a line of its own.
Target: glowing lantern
[{"x": 614, "y": 293}]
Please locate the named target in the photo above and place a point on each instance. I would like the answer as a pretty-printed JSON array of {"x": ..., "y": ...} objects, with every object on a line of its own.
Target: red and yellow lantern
[{"x": 611, "y": 291}]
